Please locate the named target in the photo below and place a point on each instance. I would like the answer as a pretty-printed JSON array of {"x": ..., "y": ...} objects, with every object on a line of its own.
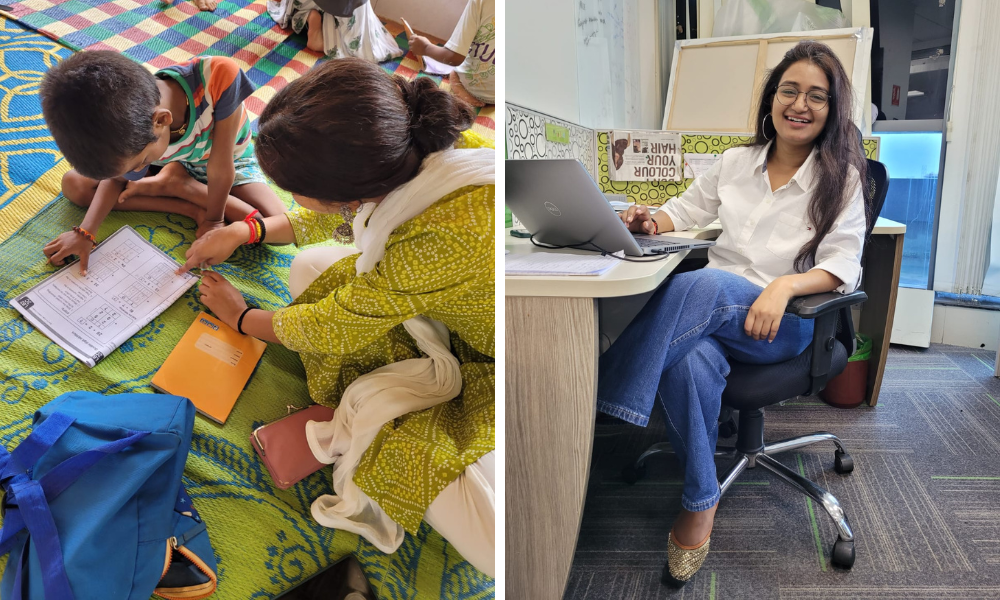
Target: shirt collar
[{"x": 803, "y": 177}]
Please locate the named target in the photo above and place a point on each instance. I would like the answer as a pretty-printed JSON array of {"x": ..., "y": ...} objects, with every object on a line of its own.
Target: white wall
[
  {"x": 541, "y": 57},
  {"x": 436, "y": 17},
  {"x": 967, "y": 327}
]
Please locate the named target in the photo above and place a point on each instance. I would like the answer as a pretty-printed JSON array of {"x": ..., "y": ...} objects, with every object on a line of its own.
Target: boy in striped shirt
[{"x": 178, "y": 141}]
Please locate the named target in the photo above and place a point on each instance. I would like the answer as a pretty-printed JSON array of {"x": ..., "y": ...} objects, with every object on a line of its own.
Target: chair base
[{"x": 751, "y": 452}]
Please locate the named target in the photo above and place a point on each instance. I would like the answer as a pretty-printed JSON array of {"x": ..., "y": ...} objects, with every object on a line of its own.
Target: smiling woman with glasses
[{"x": 793, "y": 222}]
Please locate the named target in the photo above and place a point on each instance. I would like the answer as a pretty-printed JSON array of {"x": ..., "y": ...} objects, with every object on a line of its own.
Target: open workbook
[{"x": 129, "y": 282}]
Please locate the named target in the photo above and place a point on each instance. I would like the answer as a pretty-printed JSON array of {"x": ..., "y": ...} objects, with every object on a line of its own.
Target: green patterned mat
[{"x": 264, "y": 537}]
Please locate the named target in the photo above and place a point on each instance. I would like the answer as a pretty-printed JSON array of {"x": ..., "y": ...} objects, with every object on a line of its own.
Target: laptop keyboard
[{"x": 651, "y": 243}]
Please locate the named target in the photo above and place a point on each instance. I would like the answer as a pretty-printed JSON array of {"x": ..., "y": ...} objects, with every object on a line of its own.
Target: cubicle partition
[{"x": 533, "y": 135}]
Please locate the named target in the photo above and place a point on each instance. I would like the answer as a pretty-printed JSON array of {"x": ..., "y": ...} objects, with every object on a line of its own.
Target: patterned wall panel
[
  {"x": 525, "y": 133},
  {"x": 657, "y": 192}
]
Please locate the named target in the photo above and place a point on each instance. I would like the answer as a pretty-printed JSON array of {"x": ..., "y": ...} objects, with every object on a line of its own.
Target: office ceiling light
[{"x": 914, "y": 93}]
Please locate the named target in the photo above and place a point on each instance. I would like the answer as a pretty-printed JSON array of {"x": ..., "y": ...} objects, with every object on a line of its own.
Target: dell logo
[{"x": 552, "y": 208}]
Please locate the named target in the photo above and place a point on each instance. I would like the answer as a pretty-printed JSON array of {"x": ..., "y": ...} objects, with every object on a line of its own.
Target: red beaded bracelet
[{"x": 85, "y": 234}]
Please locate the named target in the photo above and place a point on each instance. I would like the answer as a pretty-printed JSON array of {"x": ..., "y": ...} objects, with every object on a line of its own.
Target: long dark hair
[
  {"x": 349, "y": 131},
  {"x": 838, "y": 146}
]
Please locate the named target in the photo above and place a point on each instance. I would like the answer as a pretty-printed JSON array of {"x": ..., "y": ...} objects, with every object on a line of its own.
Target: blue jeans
[{"x": 676, "y": 350}]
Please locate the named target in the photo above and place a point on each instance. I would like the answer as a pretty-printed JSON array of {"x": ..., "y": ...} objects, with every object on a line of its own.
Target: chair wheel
[
  {"x": 843, "y": 554},
  {"x": 728, "y": 428},
  {"x": 843, "y": 463},
  {"x": 631, "y": 473}
]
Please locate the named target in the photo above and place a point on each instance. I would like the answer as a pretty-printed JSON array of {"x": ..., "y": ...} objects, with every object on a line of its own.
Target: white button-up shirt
[{"x": 763, "y": 231}]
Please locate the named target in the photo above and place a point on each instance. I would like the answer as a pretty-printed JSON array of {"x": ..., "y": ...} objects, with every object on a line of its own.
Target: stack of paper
[{"x": 552, "y": 263}]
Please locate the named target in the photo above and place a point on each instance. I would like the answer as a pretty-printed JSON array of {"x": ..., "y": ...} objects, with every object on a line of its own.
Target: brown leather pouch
[{"x": 283, "y": 448}]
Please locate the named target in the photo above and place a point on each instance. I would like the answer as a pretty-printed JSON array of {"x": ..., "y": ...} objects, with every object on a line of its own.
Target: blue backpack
[{"x": 93, "y": 505}]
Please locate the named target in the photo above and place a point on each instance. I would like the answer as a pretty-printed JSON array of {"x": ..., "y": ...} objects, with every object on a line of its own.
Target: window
[
  {"x": 911, "y": 54},
  {"x": 913, "y": 160},
  {"x": 911, "y": 62}
]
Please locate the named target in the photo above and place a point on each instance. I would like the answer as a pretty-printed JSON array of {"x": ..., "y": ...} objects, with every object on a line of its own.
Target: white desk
[{"x": 551, "y": 349}]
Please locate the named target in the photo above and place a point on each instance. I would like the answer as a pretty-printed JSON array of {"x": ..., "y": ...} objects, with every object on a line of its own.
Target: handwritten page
[
  {"x": 128, "y": 284},
  {"x": 553, "y": 263},
  {"x": 696, "y": 165}
]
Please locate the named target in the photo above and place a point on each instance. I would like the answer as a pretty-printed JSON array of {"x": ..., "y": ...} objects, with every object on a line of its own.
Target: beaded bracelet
[
  {"x": 263, "y": 229},
  {"x": 263, "y": 232},
  {"x": 85, "y": 234}
]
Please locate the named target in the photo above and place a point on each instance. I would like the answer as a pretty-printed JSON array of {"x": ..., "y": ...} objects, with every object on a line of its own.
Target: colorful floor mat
[
  {"x": 264, "y": 537},
  {"x": 157, "y": 33},
  {"x": 26, "y": 147}
]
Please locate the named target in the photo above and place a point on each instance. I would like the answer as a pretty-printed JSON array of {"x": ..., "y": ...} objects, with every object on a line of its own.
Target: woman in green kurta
[{"x": 347, "y": 138}]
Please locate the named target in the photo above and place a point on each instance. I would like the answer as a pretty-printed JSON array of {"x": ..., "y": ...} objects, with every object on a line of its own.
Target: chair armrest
[
  {"x": 827, "y": 309},
  {"x": 812, "y": 306}
]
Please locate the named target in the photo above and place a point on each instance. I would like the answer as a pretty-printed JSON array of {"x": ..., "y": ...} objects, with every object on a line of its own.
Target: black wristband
[{"x": 239, "y": 324}]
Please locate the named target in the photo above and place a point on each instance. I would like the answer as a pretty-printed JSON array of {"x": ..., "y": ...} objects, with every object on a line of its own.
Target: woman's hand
[
  {"x": 215, "y": 246},
  {"x": 638, "y": 219},
  {"x": 766, "y": 313},
  {"x": 67, "y": 244},
  {"x": 222, "y": 298}
]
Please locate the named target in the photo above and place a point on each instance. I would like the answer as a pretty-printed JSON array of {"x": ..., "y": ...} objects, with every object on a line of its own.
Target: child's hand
[
  {"x": 224, "y": 300},
  {"x": 215, "y": 247},
  {"x": 68, "y": 244},
  {"x": 207, "y": 226},
  {"x": 419, "y": 45}
]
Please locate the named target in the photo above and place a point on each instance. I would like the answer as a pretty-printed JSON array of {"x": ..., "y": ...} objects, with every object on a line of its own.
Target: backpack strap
[
  {"x": 26, "y": 500},
  {"x": 188, "y": 535},
  {"x": 33, "y": 507},
  {"x": 33, "y": 447}
]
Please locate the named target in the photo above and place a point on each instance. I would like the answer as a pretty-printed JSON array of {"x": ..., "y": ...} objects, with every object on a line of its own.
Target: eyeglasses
[{"x": 815, "y": 99}]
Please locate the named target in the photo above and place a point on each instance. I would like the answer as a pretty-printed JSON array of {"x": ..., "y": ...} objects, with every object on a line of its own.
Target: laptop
[{"x": 561, "y": 205}]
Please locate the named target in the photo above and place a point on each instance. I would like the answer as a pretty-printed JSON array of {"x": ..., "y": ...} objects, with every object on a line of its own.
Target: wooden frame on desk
[{"x": 551, "y": 350}]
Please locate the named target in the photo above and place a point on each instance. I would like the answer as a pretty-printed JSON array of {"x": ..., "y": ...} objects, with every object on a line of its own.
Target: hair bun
[{"x": 436, "y": 116}]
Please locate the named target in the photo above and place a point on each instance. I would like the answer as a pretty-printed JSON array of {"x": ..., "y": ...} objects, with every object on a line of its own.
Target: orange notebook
[{"x": 210, "y": 366}]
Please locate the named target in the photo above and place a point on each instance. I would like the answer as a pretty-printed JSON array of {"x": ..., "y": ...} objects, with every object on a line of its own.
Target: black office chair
[{"x": 749, "y": 388}]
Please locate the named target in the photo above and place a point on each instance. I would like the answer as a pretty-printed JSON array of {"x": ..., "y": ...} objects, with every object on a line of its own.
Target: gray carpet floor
[{"x": 923, "y": 500}]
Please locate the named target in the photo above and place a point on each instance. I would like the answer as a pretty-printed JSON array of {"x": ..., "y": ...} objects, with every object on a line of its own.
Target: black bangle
[
  {"x": 239, "y": 324},
  {"x": 263, "y": 232}
]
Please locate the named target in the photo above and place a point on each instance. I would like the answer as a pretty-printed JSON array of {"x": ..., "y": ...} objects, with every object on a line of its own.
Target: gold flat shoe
[{"x": 683, "y": 561}]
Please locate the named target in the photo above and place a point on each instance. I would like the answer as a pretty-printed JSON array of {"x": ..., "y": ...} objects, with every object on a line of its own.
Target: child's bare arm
[
  {"x": 72, "y": 243},
  {"x": 104, "y": 201},
  {"x": 421, "y": 46},
  {"x": 221, "y": 171}
]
